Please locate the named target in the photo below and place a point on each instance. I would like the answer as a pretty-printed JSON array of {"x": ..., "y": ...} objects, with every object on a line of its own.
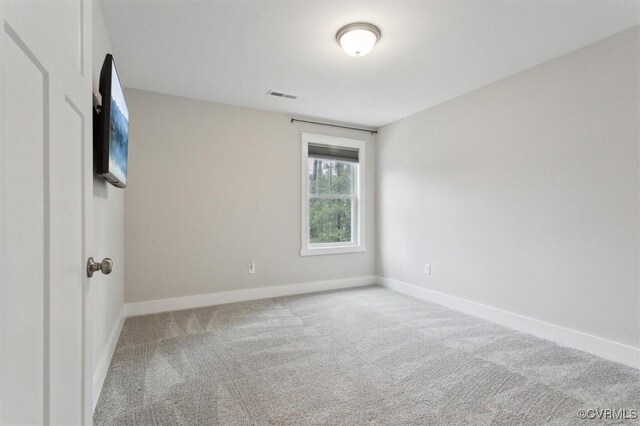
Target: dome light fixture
[{"x": 357, "y": 39}]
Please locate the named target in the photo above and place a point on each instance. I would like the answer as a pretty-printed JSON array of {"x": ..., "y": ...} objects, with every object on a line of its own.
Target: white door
[{"x": 45, "y": 147}]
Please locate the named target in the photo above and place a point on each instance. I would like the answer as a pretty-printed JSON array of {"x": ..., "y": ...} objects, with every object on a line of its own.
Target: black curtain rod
[{"x": 335, "y": 125}]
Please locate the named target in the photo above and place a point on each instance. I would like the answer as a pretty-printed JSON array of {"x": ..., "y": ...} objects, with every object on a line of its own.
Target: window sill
[{"x": 331, "y": 250}]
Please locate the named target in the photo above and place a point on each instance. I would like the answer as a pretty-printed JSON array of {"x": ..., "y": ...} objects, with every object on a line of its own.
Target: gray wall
[
  {"x": 212, "y": 187},
  {"x": 106, "y": 291},
  {"x": 524, "y": 195}
]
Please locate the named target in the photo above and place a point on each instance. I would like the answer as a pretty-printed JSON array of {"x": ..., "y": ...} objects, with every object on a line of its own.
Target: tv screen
[{"x": 112, "y": 152}]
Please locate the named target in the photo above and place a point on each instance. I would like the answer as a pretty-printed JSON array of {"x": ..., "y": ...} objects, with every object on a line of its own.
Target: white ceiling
[{"x": 234, "y": 52}]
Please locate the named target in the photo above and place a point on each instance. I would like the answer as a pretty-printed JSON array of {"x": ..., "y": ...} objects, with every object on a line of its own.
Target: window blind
[{"x": 333, "y": 153}]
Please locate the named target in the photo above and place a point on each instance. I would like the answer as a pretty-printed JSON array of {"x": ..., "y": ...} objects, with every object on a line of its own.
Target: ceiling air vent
[{"x": 281, "y": 94}]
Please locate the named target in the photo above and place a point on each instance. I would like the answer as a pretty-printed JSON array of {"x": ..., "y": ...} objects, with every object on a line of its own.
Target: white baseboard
[
  {"x": 598, "y": 346},
  {"x": 100, "y": 372},
  {"x": 219, "y": 298}
]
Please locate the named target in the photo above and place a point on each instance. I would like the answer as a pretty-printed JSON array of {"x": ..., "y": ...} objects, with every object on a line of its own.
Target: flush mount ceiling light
[{"x": 358, "y": 39}]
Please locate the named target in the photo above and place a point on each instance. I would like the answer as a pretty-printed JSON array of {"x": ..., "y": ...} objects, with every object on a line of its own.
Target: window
[{"x": 332, "y": 195}]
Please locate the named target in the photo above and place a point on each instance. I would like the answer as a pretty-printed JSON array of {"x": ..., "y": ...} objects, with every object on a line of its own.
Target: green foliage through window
[{"x": 330, "y": 200}]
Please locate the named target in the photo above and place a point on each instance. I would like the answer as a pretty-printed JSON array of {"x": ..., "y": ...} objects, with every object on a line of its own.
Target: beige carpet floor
[{"x": 351, "y": 357}]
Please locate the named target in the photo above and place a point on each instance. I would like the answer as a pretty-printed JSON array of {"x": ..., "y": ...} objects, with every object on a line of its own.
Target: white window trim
[{"x": 359, "y": 198}]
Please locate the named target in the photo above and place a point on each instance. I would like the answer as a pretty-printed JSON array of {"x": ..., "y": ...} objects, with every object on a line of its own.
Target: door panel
[
  {"x": 25, "y": 232},
  {"x": 66, "y": 268},
  {"x": 45, "y": 147},
  {"x": 56, "y": 24}
]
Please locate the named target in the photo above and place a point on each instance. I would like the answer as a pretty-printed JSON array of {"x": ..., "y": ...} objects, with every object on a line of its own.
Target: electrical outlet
[
  {"x": 427, "y": 269},
  {"x": 252, "y": 267}
]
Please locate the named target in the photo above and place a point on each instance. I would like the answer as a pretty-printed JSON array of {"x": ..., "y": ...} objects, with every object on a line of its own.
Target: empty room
[{"x": 319, "y": 212}]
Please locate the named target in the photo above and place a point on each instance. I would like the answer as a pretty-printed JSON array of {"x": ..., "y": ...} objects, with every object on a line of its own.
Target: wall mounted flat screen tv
[{"x": 112, "y": 144}]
